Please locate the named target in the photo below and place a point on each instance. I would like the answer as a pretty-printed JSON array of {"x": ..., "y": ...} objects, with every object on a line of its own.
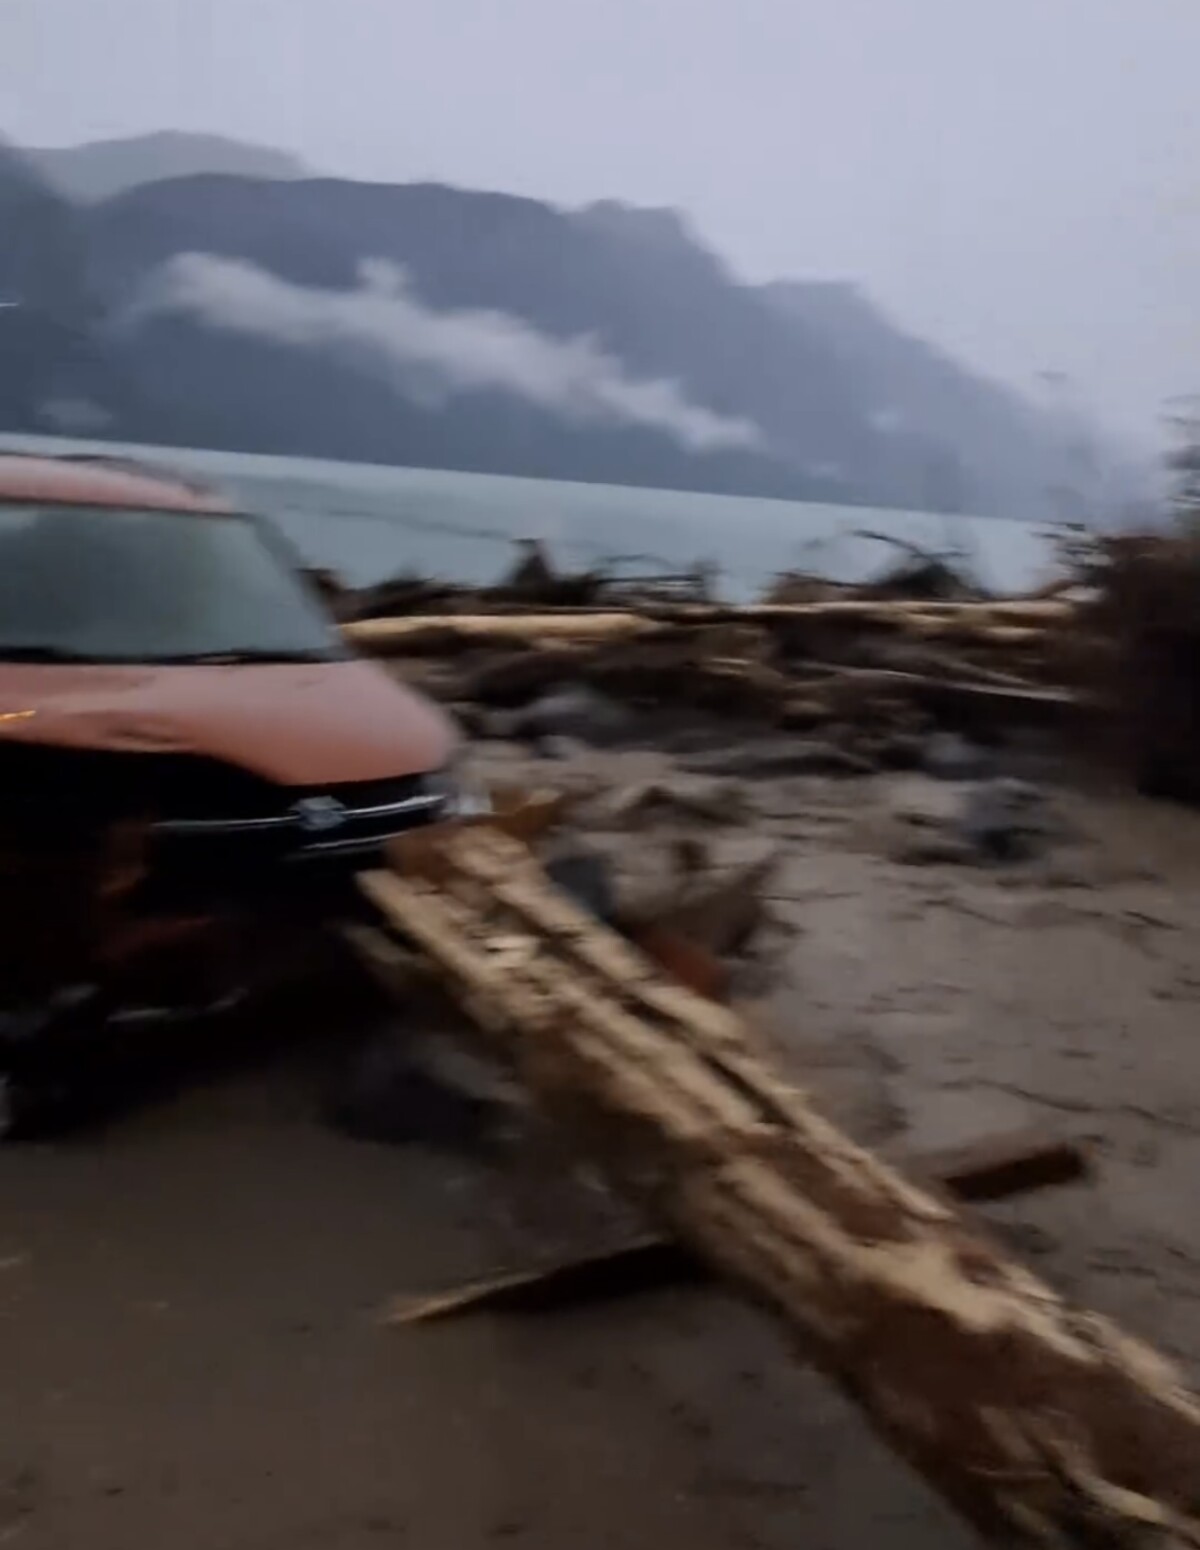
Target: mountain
[
  {"x": 432, "y": 325},
  {"x": 962, "y": 438},
  {"x": 486, "y": 263},
  {"x": 106, "y": 167},
  {"x": 46, "y": 310}
]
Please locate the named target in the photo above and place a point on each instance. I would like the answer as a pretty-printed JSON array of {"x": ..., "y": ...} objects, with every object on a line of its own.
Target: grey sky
[{"x": 1018, "y": 180}]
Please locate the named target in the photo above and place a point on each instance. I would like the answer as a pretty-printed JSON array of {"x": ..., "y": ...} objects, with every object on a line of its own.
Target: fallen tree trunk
[
  {"x": 991, "y": 1169},
  {"x": 432, "y": 633},
  {"x": 1038, "y": 613},
  {"x": 1042, "y": 1424},
  {"x": 999, "y": 624}
]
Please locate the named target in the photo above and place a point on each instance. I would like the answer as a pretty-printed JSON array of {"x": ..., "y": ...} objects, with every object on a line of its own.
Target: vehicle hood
[{"x": 297, "y": 725}]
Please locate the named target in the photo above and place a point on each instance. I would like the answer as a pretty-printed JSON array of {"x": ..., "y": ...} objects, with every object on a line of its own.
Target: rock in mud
[
  {"x": 399, "y": 1093},
  {"x": 989, "y": 821},
  {"x": 587, "y": 877},
  {"x": 1006, "y": 820},
  {"x": 704, "y": 798},
  {"x": 573, "y": 711},
  {"x": 948, "y": 756}
]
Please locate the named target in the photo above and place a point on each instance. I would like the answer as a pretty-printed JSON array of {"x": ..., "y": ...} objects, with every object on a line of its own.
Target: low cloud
[{"x": 430, "y": 356}]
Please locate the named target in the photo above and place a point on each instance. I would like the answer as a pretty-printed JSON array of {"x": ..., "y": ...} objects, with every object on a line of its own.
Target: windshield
[{"x": 79, "y": 583}]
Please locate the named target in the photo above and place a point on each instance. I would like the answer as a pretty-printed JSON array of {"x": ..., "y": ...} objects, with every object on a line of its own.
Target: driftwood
[
  {"x": 1037, "y": 613},
  {"x": 1042, "y": 1424},
  {"x": 794, "y": 667},
  {"x": 997, "y": 621},
  {"x": 980, "y": 660},
  {"x": 633, "y": 1265},
  {"x": 995, "y": 1167},
  {"x": 433, "y": 633}
]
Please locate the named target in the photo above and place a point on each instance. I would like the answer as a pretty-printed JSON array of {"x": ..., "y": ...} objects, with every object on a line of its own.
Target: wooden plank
[
  {"x": 635, "y": 1265},
  {"x": 995, "y": 1167}
]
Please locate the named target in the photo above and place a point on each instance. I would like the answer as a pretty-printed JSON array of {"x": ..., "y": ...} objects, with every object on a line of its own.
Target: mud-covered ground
[{"x": 190, "y": 1346}]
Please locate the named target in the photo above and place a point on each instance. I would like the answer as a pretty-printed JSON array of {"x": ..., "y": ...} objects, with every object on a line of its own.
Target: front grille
[
  {"x": 366, "y": 820},
  {"x": 320, "y": 822},
  {"x": 218, "y": 835}
]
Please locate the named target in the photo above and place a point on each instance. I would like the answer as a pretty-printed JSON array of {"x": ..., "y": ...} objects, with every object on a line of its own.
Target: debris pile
[
  {"x": 531, "y": 582},
  {"x": 864, "y": 680},
  {"x": 866, "y": 674}
]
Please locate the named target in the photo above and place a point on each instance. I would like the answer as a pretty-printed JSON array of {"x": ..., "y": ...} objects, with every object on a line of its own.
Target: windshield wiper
[{"x": 238, "y": 655}]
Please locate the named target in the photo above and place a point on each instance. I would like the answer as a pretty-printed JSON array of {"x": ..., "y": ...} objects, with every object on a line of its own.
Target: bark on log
[
  {"x": 990, "y": 1170},
  {"x": 1043, "y": 1424},
  {"x": 1038, "y": 613},
  {"x": 433, "y": 633},
  {"x": 1002, "y": 624}
]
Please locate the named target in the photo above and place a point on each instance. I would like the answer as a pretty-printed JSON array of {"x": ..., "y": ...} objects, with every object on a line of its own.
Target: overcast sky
[{"x": 1018, "y": 180}]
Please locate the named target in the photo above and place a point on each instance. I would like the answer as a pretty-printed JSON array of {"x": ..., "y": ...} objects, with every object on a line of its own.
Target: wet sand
[{"x": 189, "y": 1297}]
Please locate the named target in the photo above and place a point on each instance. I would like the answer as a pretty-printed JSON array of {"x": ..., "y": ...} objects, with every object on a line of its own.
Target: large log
[
  {"x": 432, "y": 633},
  {"x": 1037, "y": 613},
  {"x": 1003, "y": 624},
  {"x": 1042, "y": 1424}
]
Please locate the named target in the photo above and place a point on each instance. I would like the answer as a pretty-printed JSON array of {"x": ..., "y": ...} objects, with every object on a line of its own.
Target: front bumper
[{"x": 179, "y": 906}]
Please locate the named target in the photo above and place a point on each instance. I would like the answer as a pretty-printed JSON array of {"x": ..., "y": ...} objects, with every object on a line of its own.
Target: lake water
[{"x": 370, "y": 521}]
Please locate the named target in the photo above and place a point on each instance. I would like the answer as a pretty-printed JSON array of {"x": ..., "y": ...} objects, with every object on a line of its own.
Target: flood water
[{"x": 372, "y": 521}]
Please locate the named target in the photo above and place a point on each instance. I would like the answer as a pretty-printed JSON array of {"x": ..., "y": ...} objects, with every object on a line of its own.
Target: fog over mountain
[{"x": 422, "y": 324}]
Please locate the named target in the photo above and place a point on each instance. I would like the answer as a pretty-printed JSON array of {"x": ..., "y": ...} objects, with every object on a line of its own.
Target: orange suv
[{"x": 187, "y": 745}]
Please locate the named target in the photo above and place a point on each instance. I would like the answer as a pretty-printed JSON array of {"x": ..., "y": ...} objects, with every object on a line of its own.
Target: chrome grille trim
[{"x": 353, "y": 815}]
